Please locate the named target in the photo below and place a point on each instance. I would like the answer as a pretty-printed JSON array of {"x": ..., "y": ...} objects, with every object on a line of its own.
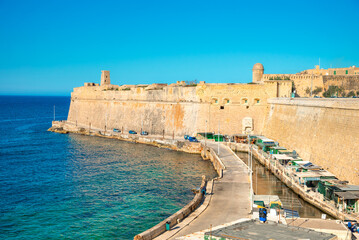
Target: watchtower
[
  {"x": 258, "y": 71},
  {"x": 105, "y": 78}
]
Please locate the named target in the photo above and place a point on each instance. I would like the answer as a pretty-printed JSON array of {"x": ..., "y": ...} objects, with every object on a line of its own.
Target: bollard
[{"x": 168, "y": 226}]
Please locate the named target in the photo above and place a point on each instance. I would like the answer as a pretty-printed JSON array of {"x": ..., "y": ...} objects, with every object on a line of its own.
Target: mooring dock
[{"x": 230, "y": 200}]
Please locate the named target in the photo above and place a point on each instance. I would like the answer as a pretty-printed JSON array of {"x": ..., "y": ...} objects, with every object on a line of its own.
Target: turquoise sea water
[{"x": 56, "y": 186}]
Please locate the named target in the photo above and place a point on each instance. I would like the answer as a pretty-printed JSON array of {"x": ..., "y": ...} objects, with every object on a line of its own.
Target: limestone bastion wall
[
  {"x": 175, "y": 109},
  {"x": 346, "y": 82},
  {"x": 323, "y": 131},
  {"x": 302, "y": 82}
]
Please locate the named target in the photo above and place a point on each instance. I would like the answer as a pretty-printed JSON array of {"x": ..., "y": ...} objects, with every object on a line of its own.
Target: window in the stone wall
[
  {"x": 346, "y": 71},
  {"x": 335, "y": 72},
  {"x": 256, "y": 101},
  {"x": 244, "y": 101},
  {"x": 226, "y": 101},
  {"x": 214, "y": 100}
]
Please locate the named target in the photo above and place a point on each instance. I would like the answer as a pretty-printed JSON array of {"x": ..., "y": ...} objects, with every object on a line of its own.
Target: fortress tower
[
  {"x": 105, "y": 78},
  {"x": 258, "y": 71}
]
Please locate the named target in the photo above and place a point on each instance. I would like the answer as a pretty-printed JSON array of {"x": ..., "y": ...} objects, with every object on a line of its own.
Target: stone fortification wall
[
  {"x": 347, "y": 83},
  {"x": 175, "y": 110},
  {"x": 323, "y": 131},
  {"x": 153, "y": 111},
  {"x": 302, "y": 82}
]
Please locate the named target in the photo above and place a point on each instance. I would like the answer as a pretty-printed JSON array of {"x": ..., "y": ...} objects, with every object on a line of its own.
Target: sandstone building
[{"x": 353, "y": 70}]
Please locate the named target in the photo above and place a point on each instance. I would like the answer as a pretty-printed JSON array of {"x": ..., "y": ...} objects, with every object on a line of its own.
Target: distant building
[
  {"x": 105, "y": 78},
  {"x": 353, "y": 70}
]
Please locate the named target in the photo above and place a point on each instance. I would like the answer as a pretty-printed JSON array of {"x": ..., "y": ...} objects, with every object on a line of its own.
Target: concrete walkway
[{"x": 231, "y": 195}]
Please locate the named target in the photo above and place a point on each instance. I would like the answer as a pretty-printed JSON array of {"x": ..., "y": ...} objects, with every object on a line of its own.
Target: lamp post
[
  {"x": 173, "y": 125},
  {"x": 218, "y": 135},
  {"x": 205, "y": 136},
  {"x": 141, "y": 125},
  {"x": 219, "y": 126},
  {"x": 250, "y": 172},
  {"x": 311, "y": 86},
  {"x": 256, "y": 179},
  {"x": 105, "y": 123}
]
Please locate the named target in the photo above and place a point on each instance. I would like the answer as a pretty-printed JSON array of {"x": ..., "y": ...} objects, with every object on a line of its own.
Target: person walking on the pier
[
  {"x": 203, "y": 190},
  {"x": 263, "y": 215}
]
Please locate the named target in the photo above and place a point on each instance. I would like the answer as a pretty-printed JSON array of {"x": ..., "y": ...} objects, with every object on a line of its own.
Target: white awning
[{"x": 282, "y": 157}]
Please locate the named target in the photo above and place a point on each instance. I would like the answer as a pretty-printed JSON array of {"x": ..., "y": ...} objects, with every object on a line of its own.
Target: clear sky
[{"x": 49, "y": 47}]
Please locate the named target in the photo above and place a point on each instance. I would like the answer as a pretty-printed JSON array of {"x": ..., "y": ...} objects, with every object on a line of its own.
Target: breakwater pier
[
  {"x": 227, "y": 198},
  {"x": 231, "y": 196}
]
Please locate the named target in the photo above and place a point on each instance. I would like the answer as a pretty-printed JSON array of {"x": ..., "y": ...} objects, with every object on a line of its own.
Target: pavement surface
[
  {"x": 231, "y": 195},
  {"x": 253, "y": 229},
  {"x": 317, "y": 223}
]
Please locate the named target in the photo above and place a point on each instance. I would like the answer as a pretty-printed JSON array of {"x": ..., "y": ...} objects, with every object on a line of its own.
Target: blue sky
[{"x": 49, "y": 47}]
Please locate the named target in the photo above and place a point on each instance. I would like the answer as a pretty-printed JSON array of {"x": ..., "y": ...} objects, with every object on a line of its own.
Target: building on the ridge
[
  {"x": 352, "y": 70},
  {"x": 105, "y": 78},
  {"x": 105, "y": 82}
]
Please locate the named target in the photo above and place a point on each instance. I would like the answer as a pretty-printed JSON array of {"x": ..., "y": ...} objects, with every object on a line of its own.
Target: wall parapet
[
  {"x": 290, "y": 76},
  {"x": 339, "y": 103},
  {"x": 209, "y": 153},
  {"x": 340, "y": 77}
]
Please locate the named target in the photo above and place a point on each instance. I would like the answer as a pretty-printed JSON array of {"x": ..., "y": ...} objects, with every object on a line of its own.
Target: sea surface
[{"x": 58, "y": 186}]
